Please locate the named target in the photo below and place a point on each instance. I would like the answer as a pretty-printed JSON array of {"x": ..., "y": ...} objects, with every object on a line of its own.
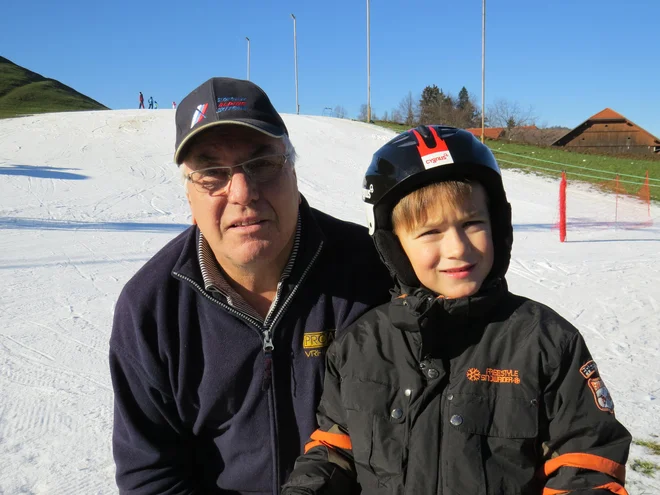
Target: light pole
[
  {"x": 368, "y": 68},
  {"x": 483, "y": 69},
  {"x": 295, "y": 61},
  {"x": 248, "y": 63}
]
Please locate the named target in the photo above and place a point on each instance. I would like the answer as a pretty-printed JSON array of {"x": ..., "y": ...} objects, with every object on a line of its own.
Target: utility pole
[
  {"x": 483, "y": 69},
  {"x": 248, "y": 62},
  {"x": 368, "y": 67},
  {"x": 295, "y": 61}
]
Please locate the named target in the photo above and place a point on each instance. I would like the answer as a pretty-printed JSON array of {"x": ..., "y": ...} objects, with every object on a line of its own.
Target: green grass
[
  {"x": 645, "y": 467},
  {"x": 25, "y": 92},
  {"x": 596, "y": 169},
  {"x": 392, "y": 125},
  {"x": 654, "y": 447},
  {"x": 551, "y": 161}
]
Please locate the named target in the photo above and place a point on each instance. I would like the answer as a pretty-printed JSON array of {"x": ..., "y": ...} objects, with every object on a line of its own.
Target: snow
[{"x": 86, "y": 198}]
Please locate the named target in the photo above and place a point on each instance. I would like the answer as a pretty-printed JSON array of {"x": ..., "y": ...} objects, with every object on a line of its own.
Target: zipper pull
[
  {"x": 268, "y": 341},
  {"x": 268, "y": 361}
]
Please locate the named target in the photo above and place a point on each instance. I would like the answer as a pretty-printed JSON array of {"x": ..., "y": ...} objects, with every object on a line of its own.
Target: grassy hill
[
  {"x": 600, "y": 170},
  {"x": 25, "y": 92}
]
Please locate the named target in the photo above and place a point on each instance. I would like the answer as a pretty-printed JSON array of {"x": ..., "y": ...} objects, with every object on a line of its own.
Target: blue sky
[{"x": 567, "y": 59}]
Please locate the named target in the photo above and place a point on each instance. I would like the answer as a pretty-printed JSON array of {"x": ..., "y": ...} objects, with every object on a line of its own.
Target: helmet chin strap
[{"x": 392, "y": 254}]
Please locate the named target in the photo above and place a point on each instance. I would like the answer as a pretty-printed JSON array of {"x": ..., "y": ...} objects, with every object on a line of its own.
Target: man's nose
[{"x": 242, "y": 190}]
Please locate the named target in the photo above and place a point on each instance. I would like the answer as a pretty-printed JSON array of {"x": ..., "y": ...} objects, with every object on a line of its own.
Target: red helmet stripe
[{"x": 424, "y": 150}]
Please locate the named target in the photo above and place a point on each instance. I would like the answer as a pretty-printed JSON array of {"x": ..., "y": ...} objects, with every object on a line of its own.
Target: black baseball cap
[{"x": 221, "y": 101}]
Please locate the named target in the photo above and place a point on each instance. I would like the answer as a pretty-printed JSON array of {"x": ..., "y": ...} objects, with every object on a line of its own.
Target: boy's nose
[{"x": 455, "y": 243}]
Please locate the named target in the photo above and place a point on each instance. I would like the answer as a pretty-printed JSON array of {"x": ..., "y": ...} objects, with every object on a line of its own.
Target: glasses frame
[{"x": 223, "y": 190}]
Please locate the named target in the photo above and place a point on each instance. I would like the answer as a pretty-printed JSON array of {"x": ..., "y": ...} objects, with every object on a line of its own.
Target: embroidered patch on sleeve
[
  {"x": 588, "y": 369},
  {"x": 601, "y": 395}
]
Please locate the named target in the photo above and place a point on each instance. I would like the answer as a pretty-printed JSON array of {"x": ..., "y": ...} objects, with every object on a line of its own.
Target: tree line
[{"x": 434, "y": 106}]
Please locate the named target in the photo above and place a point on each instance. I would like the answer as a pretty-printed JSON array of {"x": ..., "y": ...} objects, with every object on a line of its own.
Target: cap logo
[
  {"x": 433, "y": 157},
  {"x": 228, "y": 103},
  {"x": 200, "y": 113}
]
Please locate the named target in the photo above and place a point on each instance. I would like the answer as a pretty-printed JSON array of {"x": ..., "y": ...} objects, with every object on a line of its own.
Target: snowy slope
[{"x": 87, "y": 198}]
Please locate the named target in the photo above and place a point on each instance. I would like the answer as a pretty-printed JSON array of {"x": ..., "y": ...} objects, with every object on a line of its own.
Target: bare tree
[
  {"x": 397, "y": 117},
  {"x": 509, "y": 114},
  {"x": 408, "y": 109},
  {"x": 340, "y": 112},
  {"x": 385, "y": 117},
  {"x": 363, "y": 113}
]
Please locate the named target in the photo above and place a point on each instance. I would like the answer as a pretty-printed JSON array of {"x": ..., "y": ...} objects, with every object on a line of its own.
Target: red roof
[
  {"x": 607, "y": 114},
  {"x": 489, "y": 132}
]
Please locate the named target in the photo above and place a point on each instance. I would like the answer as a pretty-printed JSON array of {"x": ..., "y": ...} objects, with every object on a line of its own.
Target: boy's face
[{"x": 452, "y": 252}]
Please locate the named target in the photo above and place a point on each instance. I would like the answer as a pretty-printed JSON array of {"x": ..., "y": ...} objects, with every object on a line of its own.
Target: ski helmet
[{"x": 423, "y": 156}]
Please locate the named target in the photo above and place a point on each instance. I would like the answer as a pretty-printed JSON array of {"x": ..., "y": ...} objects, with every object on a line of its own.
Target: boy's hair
[{"x": 413, "y": 210}]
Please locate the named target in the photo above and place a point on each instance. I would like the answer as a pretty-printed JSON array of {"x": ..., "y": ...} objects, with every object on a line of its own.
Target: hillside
[{"x": 24, "y": 92}]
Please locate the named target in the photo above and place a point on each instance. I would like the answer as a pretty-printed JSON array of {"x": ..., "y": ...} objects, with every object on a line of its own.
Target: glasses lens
[
  {"x": 210, "y": 180},
  {"x": 264, "y": 169}
]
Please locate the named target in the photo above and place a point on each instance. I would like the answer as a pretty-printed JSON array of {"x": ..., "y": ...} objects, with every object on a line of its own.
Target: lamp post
[
  {"x": 295, "y": 61},
  {"x": 248, "y": 61},
  {"x": 483, "y": 69},
  {"x": 368, "y": 67}
]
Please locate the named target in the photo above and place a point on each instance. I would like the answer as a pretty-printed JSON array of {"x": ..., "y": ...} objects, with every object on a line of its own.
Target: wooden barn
[{"x": 609, "y": 132}]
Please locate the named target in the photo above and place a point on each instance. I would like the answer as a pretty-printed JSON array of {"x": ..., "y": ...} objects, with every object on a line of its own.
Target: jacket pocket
[
  {"x": 489, "y": 444},
  {"x": 376, "y": 418}
]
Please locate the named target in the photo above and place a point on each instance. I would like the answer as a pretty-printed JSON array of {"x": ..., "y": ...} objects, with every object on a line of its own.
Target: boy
[{"x": 456, "y": 386}]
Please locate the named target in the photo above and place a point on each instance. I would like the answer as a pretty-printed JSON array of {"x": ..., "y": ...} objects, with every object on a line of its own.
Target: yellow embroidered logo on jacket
[
  {"x": 493, "y": 375},
  {"x": 314, "y": 341}
]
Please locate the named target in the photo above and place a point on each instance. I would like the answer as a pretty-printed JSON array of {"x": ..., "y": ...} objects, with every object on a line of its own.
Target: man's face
[
  {"x": 452, "y": 252},
  {"x": 251, "y": 224}
]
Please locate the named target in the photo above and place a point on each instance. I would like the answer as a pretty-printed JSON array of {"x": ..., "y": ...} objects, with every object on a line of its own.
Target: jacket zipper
[{"x": 268, "y": 349}]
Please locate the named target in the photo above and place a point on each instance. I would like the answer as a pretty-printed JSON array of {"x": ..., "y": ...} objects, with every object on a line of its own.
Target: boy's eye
[
  {"x": 474, "y": 224},
  {"x": 429, "y": 232}
]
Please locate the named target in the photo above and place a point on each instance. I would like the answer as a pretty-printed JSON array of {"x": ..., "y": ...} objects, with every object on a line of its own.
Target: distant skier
[
  {"x": 141, "y": 101},
  {"x": 174, "y": 105},
  {"x": 151, "y": 102},
  {"x": 156, "y": 105}
]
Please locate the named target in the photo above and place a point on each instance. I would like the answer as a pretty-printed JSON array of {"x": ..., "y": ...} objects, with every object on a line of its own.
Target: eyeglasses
[{"x": 216, "y": 180}]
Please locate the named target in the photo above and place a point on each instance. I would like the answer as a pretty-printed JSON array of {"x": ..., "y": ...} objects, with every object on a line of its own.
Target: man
[
  {"x": 218, "y": 343},
  {"x": 141, "y": 105}
]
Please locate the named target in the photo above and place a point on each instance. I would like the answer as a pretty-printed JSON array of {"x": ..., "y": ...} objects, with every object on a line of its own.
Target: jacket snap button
[
  {"x": 407, "y": 392},
  {"x": 456, "y": 420},
  {"x": 432, "y": 373},
  {"x": 450, "y": 397},
  {"x": 397, "y": 413}
]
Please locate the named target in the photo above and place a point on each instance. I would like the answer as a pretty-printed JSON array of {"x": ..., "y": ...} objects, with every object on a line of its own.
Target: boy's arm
[
  {"x": 587, "y": 447},
  {"x": 327, "y": 466}
]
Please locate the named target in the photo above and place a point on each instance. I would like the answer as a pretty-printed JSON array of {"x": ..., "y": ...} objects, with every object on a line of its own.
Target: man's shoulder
[
  {"x": 154, "y": 276},
  {"x": 343, "y": 236}
]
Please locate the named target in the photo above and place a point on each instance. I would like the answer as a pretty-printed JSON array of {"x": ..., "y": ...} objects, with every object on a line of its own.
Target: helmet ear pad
[{"x": 392, "y": 254}]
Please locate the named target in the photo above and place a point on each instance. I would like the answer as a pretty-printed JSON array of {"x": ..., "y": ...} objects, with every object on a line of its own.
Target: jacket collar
[{"x": 415, "y": 308}]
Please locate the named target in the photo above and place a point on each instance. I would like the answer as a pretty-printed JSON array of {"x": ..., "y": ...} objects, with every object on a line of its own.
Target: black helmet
[{"x": 420, "y": 157}]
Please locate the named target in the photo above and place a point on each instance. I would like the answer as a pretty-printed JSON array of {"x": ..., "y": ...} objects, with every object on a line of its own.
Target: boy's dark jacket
[
  {"x": 200, "y": 407},
  {"x": 487, "y": 395},
  {"x": 492, "y": 394}
]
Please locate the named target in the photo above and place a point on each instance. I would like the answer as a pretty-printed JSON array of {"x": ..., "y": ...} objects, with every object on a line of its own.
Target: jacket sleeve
[
  {"x": 327, "y": 465},
  {"x": 149, "y": 447},
  {"x": 586, "y": 448}
]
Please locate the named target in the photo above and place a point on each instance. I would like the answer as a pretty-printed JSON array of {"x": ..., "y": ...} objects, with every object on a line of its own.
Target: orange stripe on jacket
[
  {"x": 613, "y": 487},
  {"x": 338, "y": 440},
  {"x": 586, "y": 461}
]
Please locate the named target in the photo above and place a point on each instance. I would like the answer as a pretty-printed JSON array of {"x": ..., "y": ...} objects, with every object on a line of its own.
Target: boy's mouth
[{"x": 460, "y": 272}]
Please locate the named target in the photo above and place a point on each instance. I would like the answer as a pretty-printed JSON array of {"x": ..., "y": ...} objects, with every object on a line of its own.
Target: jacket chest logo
[
  {"x": 493, "y": 375},
  {"x": 313, "y": 342}
]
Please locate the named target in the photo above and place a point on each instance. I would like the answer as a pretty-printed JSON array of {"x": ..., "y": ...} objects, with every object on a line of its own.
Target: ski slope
[{"x": 86, "y": 198}]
